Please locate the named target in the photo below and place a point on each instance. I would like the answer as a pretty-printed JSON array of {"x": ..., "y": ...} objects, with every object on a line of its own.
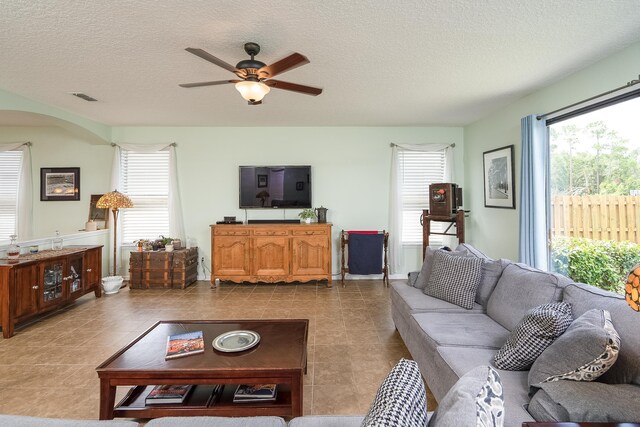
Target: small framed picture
[
  {"x": 100, "y": 216},
  {"x": 59, "y": 184},
  {"x": 263, "y": 181},
  {"x": 499, "y": 178},
  {"x": 299, "y": 185}
]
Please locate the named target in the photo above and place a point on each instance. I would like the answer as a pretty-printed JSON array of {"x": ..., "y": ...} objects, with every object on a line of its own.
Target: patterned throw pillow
[
  {"x": 401, "y": 399},
  {"x": 454, "y": 279},
  {"x": 587, "y": 349},
  {"x": 475, "y": 400},
  {"x": 536, "y": 331}
]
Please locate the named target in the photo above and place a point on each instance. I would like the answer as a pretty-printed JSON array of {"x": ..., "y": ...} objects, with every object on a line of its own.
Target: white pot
[{"x": 111, "y": 284}]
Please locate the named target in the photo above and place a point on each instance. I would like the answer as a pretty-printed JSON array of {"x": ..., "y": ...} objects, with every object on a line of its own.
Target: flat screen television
[{"x": 267, "y": 187}]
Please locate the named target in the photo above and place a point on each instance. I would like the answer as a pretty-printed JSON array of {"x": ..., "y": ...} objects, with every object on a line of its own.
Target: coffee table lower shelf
[{"x": 200, "y": 402}]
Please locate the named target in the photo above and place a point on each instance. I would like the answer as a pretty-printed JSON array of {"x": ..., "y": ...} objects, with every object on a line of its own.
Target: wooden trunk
[{"x": 177, "y": 269}]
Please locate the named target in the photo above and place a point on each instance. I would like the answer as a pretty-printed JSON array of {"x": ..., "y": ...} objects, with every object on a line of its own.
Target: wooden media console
[{"x": 271, "y": 252}]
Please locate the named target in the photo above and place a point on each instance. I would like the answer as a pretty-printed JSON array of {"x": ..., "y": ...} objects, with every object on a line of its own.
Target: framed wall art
[
  {"x": 100, "y": 216},
  {"x": 59, "y": 184},
  {"x": 499, "y": 178},
  {"x": 263, "y": 181}
]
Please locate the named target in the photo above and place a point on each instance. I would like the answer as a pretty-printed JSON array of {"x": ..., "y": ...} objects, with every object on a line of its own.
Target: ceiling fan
[{"x": 255, "y": 76}]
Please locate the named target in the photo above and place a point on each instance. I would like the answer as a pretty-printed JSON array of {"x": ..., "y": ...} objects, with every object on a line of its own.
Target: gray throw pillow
[
  {"x": 586, "y": 350},
  {"x": 454, "y": 279},
  {"x": 537, "y": 330},
  {"x": 476, "y": 399},
  {"x": 401, "y": 399}
]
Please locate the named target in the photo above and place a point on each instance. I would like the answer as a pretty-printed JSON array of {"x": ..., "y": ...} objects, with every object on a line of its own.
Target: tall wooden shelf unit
[
  {"x": 271, "y": 252},
  {"x": 456, "y": 220}
]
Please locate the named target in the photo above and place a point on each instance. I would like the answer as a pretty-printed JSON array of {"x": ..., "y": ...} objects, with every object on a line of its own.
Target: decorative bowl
[{"x": 111, "y": 284}]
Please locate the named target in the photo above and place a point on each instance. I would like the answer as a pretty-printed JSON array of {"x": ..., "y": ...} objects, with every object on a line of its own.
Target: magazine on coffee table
[
  {"x": 255, "y": 392},
  {"x": 163, "y": 394},
  {"x": 186, "y": 344}
]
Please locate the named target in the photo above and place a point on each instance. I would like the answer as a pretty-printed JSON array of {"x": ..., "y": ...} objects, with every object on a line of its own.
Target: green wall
[
  {"x": 495, "y": 231},
  {"x": 351, "y": 165}
]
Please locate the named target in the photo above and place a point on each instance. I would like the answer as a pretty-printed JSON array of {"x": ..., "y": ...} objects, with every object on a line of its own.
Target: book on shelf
[
  {"x": 186, "y": 344},
  {"x": 255, "y": 392},
  {"x": 163, "y": 394}
]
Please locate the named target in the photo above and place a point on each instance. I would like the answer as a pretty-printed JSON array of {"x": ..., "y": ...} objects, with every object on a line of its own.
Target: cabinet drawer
[
  {"x": 270, "y": 232},
  {"x": 234, "y": 232},
  {"x": 316, "y": 232}
]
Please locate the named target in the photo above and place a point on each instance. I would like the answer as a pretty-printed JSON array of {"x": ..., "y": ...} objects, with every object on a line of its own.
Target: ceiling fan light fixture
[{"x": 252, "y": 91}]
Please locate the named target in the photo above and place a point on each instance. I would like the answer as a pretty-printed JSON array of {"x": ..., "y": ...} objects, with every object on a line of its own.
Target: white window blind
[
  {"x": 10, "y": 163},
  {"x": 145, "y": 179},
  {"x": 418, "y": 170}
]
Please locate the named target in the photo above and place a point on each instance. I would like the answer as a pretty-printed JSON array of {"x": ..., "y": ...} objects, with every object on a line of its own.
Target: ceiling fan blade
[
  {"x": 285, "y": 64},
  {"x": 218, "y": 82},
  {"x": 307, "y": 90},
  {"x": 208, "y": 57}
]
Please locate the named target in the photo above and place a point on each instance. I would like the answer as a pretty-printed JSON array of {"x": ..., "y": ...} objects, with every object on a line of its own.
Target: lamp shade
[
  {"x": 114, "y": 200},
  {"x": 252, "y": 91}
]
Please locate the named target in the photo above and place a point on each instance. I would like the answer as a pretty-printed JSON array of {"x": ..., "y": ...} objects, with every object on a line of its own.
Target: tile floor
[{"x": 48, "y": 367}]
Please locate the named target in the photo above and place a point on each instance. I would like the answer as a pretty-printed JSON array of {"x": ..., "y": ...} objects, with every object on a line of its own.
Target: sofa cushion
[
  {"x": 412, "y": 277},
  {"x": 539, "y": 328},
  {"x": 520, "y": 289},
  {"x": 594, "y": 401},
  {"x": 454, "y": 279},
  {"x": 413, "y": 300},
  {"x": 626, "y": 321},
  {"x": 327, "y": 421},
  {"x": 451, "y": 363},
  {"x": 544, "y": 408},
  {"x": 401, "y": 399},
  {"x": 475, "y": 400},
  {"x": 586, "y": 350},
  {"x": 475, "y": 330},
  {"x": 491, "y": 271},
  {"x": 265, "y": 421},
  {"x": 24, "y": 421}
]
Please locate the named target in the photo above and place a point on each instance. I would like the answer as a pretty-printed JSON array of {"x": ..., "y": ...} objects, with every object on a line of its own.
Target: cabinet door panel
[
  {"x": 74, "y": 276},
  {"x": 92, "y": 269},
  {"x": 231, "y": 256},
  {"x": 25, "y": 280},
  {"x": 311, "y": 256},
  {"x": 271, "y": 257},
  {"x": 51, "y": 283}
]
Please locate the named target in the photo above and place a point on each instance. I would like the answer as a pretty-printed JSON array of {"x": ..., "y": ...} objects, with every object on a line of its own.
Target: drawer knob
[
  {"x": 35, "y": 287},
  {"x": 88, "y": 270}
]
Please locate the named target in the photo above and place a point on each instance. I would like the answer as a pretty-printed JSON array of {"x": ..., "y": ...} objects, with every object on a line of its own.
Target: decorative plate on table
[{"x": 234, "y": 341}]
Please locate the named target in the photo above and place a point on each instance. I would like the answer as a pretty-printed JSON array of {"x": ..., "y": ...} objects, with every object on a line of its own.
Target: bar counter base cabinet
[{"x": 43, "y": 282}]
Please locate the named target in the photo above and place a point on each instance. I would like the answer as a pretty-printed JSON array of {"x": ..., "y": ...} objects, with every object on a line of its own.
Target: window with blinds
[
  {"x": 145, "y": 179},
  {"x": 10, "y": 163},
  {"x": 418, "y": 170}
]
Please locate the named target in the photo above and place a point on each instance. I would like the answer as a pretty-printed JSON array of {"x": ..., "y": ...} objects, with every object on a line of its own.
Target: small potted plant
[{"x": 307, "y": 215}]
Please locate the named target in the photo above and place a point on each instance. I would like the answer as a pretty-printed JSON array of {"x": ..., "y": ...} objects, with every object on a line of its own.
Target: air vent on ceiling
[{"x": 83, "y": 96}]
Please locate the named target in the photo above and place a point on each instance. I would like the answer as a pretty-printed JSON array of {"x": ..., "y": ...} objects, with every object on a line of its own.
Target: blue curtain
[{"x": 534, "y": 192}]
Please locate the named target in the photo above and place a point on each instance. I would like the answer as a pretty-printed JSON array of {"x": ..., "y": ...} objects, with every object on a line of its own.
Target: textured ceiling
[{"x": 380, "y": 63}]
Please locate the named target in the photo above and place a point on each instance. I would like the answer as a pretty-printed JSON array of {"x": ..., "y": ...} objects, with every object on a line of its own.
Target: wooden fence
[{"x": 597, "y": 217}]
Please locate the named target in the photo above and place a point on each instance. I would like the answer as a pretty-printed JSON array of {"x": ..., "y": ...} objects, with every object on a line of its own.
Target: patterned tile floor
[{"x": 48, "y": 367}]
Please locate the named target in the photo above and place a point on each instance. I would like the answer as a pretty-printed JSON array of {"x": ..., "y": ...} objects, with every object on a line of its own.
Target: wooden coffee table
[{"x": 280, "y": 357}]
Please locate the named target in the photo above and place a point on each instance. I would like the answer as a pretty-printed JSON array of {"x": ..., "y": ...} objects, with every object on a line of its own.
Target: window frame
[
  {"x": 149, "y": 202},
  {"x": 9, "y": 199},
  {"x": 419, "y": 198}
]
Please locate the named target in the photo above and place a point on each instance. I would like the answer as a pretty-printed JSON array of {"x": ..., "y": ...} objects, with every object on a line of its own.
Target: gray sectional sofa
[{"x": 447, "y": 340}]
